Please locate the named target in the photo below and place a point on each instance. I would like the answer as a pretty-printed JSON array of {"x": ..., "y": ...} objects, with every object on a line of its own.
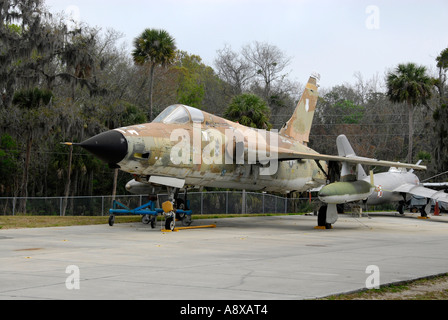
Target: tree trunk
[
  {"x": 67, "y": 185},
  {"x": 151, "y": 85},
  {"x": 24, "y": 188},
  {"x": 411, "y": 131}
]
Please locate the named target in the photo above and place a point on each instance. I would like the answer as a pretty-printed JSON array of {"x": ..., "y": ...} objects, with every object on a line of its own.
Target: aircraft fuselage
[
  {"x": 386, "y": 182},
  {"x": 199, "y": 154}
]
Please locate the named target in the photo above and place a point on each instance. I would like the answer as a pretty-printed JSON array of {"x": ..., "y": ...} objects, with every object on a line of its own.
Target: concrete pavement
[{"x": 269, "y": 258}]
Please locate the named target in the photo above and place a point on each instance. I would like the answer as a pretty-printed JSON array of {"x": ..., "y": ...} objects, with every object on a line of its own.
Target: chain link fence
[{"x": 213, "y": 202}]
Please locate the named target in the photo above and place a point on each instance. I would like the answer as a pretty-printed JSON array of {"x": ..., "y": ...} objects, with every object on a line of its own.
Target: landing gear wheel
[
  {"x": 169, "y": 223},
  {"x": 153, "y": 222},
  {"x": 423, "y": 213},
  {"x": 400, "y": 208},
  {"x": 187, "y": 220},
  {"x": 181, "y": 206},
  {"x": 111, "y": 220},
  {"x": 146, "y": 219},
  {"x": 322, "y": 216}
]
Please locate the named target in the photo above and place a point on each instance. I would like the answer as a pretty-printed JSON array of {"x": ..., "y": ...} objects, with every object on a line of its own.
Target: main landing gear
[
  {"x": 322, "y": 221},
  {"x": 176, "y": 209}
]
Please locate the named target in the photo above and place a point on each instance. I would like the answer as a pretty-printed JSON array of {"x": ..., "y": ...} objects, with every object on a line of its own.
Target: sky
[{"x": 336, "y": 38}]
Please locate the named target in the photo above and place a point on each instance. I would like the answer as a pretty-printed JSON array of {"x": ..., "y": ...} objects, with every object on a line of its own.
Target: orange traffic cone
[{"x": 436, "y": 209}]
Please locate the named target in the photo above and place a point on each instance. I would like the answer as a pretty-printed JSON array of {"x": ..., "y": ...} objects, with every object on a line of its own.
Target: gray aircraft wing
[
  {"x": 421, "y": 191},
  {"x": 286, "y": 154},
  {"x": 436, "y": 185}
]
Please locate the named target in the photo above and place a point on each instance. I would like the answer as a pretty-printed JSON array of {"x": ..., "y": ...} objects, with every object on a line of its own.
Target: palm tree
[
  {"x": 442, "y": 64},
  {"x": 249, "y": 110},
  {"x": 153, "y": 47},
  {"x": 410, "y": 84}
]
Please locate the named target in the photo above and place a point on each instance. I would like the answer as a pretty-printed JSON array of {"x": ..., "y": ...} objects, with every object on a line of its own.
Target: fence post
[
  {"x": 275, "y": 202},
  {"x": 202, "y": 200},
  {"x": 14, "y": 206},
  {"x": 227, "y": 202},
  {"x": 286, "y": 204},
  {"x": 263, "y": 201},
  {"x": 243, "y": 206}
]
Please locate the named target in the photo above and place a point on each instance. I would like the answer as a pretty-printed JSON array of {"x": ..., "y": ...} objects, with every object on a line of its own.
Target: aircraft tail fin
[
  {"x": 349, "y": 172},
  {"x": 299, "y": 125}
]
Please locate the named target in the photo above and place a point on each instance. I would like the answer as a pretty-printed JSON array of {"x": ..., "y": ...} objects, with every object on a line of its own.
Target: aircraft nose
[{"x": 110, "y": 146}]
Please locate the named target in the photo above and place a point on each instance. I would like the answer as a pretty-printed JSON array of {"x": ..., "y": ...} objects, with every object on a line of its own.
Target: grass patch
[
  {"x": 420, "y": 289},
  {"x": 14, "y": 222},
  {"x": 23, "y": 221}
]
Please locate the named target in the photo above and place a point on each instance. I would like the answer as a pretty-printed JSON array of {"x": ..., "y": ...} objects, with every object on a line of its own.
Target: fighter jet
[
  {"x": 395, "y": 185},
  {"x": 184, "y": 147}
]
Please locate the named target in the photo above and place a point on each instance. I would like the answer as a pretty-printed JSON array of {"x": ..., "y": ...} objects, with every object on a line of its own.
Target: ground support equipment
[{"x": 149, "y": 213}]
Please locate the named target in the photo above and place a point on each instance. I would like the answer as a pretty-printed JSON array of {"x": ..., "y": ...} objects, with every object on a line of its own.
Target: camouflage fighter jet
[{"x": 185, "y": 147}]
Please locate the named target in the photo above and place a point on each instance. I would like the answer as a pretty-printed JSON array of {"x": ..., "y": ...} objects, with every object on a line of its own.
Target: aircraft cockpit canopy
[{"x": 179, "y": 114}]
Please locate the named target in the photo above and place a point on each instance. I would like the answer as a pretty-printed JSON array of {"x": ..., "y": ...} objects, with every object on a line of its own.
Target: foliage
[
  {"x": 191, "y": 87},
  {"x": 9, "y": 161},
  {"x": 440, "y": 115},
  {"x": 59, "y": 83},
  {"x": 249, "y": 110},
  {"x": 153, "y": 47},
  {"x": 354, "y": 113},
  {"x": 409, "y": 84}
]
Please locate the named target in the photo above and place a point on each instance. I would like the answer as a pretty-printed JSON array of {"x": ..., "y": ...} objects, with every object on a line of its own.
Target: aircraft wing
[
  {"x": 286, "y": 154},
  {"x": 420, "y": 190},
  {"x": 436, "y": 185}
]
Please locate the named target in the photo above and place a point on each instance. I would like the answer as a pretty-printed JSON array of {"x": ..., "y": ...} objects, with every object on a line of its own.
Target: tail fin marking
[{"x": 299, "y": 125}]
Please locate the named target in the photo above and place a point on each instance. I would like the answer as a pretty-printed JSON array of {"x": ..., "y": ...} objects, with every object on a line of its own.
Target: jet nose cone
[{"x": 110, "y": 146}]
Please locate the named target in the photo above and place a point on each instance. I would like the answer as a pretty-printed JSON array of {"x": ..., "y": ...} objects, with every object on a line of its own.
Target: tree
[
  {"x": 9, "y": 163},
  {"x": 249, "y": 110},
  {"x": 233, "y": 69},
  {"x": 440, "y": 114},
  {"x": 24, "y": 43},
  {"x": 442, "y": 64},
  {"x": 190, "y": 89},
  {"x": 153, "y": 47},
  {"x": 268, "y": 62},
  {"x": 30, "y": 102},
  {"x": 409, "y": 84}
]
